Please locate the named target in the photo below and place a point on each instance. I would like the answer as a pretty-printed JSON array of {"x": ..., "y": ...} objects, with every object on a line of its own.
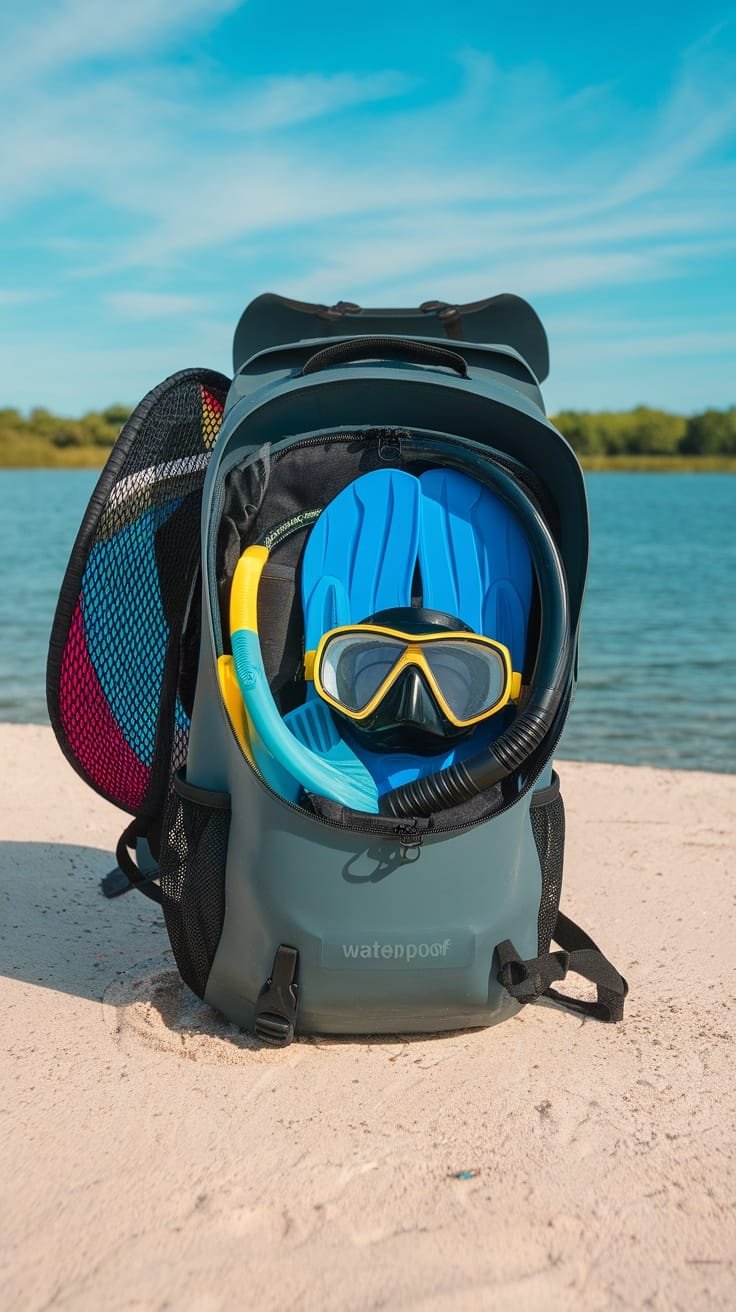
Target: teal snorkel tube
[
  {"x": 318, "y": 760},
  {"x": 553, "y": 671}
]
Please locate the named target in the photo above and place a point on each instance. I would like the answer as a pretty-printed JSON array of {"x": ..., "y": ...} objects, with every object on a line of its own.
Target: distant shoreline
[
  {"x": 93, "y": 457},
  {"x": 642, "y": 440},
  {"x": 659, "y": 464}
]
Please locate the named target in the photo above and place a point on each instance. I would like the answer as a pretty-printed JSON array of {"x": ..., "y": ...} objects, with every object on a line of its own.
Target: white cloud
[
  {"x": 155, "y": 305},
  {"x": 499, "y": 183},
  {"x": 280, "y": 102},
  {"x": 688, "y": 132},
  {"x": 462, "y": 253},
  {"x": 90, "y": 372},
  {"x": 627, "y": 339},
  {"x": 133, "y": 147},
  {"x": 150, "y": 143},
  {"x": 16, "y": 296},
  {"x": 74, "y": 31}
]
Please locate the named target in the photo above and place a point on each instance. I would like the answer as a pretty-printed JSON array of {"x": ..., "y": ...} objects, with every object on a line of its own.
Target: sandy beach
[{"x": 154, "y": 1158}]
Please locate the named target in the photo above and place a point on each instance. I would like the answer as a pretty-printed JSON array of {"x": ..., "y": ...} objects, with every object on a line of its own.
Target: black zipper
[{"x": 410, "y": 836}]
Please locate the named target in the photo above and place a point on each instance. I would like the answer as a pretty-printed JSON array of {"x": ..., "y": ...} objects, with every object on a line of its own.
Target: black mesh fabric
[
  {"x": 548, "y": 828},
  {"x": 192, "y": 870},
  {"x": 119, "y": 685}
]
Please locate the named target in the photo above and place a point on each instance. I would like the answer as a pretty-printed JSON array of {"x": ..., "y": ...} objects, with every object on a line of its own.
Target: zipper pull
[
  {"x": 411, "y": 838},
  {"x": 389, "y": 445}
]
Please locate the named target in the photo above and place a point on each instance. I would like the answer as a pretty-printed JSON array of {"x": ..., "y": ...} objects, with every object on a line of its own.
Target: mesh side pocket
[
  {"x": 119, "y": 698},
  {"x": 192, "y": 869},
  {"x": 548, "y": 827}
]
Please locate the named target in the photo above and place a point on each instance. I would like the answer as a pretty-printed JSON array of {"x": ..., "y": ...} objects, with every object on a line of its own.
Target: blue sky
[{"x": 164, "y": 161}]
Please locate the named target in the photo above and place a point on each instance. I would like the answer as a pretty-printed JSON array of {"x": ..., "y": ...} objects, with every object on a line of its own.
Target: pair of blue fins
[{"x": 362, "y": 557}]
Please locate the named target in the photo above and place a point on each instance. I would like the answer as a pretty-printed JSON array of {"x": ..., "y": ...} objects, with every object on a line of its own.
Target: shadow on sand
[{"x": 59, "y": 932}]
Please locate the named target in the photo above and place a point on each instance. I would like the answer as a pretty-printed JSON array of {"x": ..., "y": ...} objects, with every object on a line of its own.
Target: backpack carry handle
[{"x": 385, "y": 348}]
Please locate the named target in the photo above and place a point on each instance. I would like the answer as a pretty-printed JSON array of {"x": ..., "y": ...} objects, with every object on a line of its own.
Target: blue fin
[
  {"x": 359, "y": 558},
  {"x": 474, "y": 559},
  {"x": 396, "y": 768},
  {"x": 361, "y": 554},
  {"x": 475, "y": 564}
]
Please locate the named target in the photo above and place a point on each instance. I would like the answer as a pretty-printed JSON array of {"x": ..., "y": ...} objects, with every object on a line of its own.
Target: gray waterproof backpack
[{"x": 255, "y": 579}]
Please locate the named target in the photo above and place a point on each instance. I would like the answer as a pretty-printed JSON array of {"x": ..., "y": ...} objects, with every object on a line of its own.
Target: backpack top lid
[{"x": 503, "y": 320}]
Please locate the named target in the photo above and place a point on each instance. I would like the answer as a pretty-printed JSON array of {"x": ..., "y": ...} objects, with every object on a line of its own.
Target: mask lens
[
  {"x": 472, "y": 677},
  {"x": 354, "y": 665}
]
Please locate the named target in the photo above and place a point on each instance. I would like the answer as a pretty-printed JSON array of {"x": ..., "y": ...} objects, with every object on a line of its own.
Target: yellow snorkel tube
[{"x": 308, "y": 753}]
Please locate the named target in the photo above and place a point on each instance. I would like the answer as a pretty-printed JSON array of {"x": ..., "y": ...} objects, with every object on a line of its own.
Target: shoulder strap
[
  {"x": 528, "y": 980},
  {"x": 132, "y": 875}
]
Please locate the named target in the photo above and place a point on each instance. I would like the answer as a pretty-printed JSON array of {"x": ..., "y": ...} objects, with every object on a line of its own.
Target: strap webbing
[
  {"x": 527, "y": 980},
  {"x": 144, "y": 883}
]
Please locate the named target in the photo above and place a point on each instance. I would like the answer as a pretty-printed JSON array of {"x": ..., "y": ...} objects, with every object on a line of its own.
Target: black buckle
[
  {"x": 274, "y": 1030},
  {"x": 275, "y": 1011}
]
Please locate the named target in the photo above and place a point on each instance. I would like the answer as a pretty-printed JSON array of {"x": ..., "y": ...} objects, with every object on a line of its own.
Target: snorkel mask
[{"x": 412, "y": 680}]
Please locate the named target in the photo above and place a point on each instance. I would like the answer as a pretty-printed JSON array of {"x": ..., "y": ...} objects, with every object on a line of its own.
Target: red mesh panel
[{"x": 114, "y": 680}]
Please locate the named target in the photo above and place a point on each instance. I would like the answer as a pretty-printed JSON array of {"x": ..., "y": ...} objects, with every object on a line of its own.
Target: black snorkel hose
[{"x": 554, "y": 666}]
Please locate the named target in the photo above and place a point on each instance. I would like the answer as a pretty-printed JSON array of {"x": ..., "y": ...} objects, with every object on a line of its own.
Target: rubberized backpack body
[{"x": 307, "y": 915}]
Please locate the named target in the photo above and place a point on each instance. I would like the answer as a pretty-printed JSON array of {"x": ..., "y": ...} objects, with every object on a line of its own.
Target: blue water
[
  {"x": 658, "y": 652},
  {"x": 658, "y": 648}
]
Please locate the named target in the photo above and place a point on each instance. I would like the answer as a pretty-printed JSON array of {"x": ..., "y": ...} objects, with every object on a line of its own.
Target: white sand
[{"x": 155, "y": 1158}]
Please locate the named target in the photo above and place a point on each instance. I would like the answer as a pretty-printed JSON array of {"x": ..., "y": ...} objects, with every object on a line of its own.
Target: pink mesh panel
[{"x": 92, "y": 733}]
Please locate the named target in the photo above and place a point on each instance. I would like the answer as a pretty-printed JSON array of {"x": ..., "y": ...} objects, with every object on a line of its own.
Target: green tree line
[
  {"x": 644, "y": 431},
  {"x": 41, "y": 437},
  {"x": 97, "y": 428}
]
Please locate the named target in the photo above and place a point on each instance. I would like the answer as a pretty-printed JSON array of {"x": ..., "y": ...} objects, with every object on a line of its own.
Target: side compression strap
[
  {"x": 144, "y": 883},
  {"x": 528, "y": 980}
]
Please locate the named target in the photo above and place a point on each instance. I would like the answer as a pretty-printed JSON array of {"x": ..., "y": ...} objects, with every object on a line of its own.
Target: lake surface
[{"x": 658, "y": 656}]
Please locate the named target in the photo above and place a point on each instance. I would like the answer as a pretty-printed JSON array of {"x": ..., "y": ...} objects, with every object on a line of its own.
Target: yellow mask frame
[{"x": 413, "y": 654}]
